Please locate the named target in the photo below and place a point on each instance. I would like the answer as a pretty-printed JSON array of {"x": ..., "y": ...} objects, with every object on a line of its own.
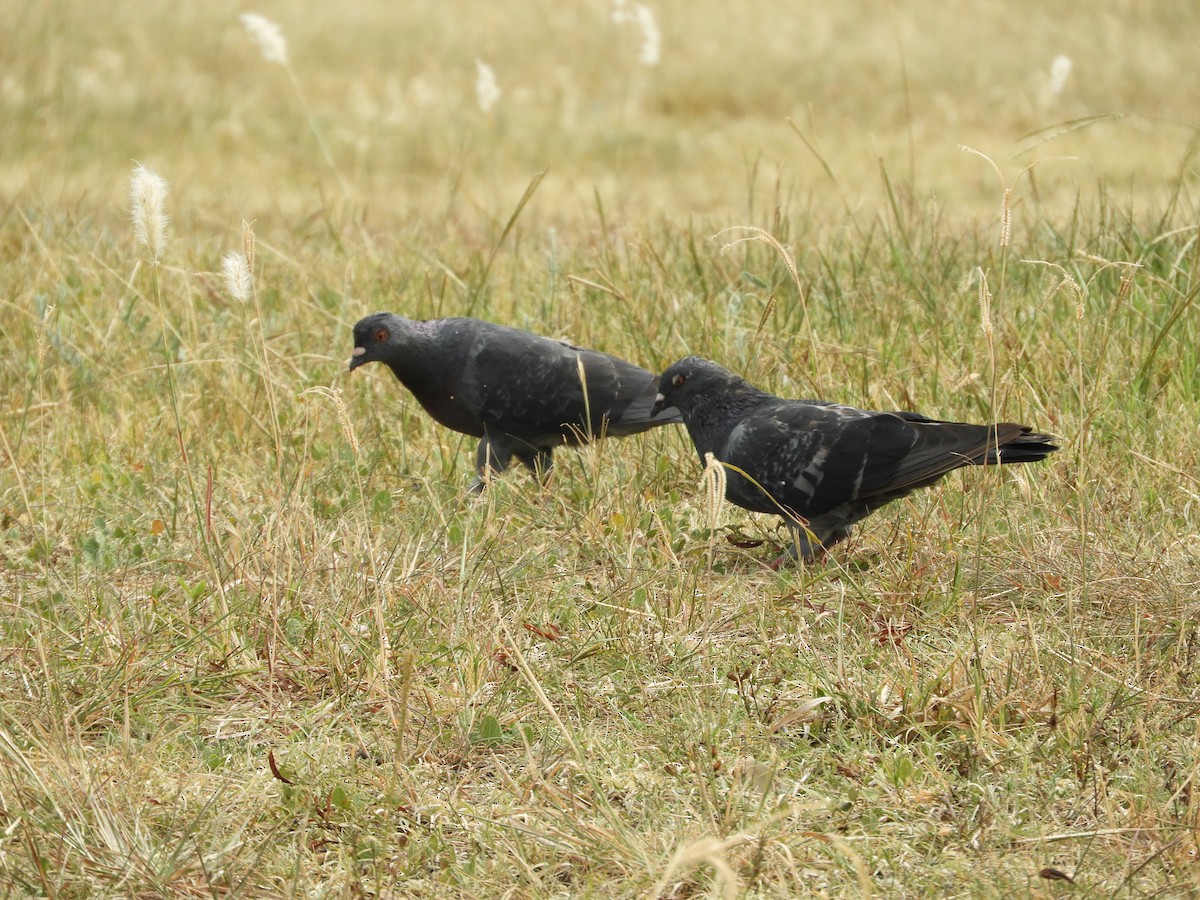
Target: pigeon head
[
  {"x": 375, "y": 338},
  {"x": 688, "y": 381}
]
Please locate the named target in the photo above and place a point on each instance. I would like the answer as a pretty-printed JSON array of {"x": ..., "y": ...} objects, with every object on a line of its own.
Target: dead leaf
[
  {"x": 806, "y": 711},
  {"x": 1055, "y": 875},
  {"x": 275, "y": 769}
]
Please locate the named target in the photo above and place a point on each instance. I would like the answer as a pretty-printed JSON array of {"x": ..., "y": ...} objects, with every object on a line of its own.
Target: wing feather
[{"x": 541, "y": 390}]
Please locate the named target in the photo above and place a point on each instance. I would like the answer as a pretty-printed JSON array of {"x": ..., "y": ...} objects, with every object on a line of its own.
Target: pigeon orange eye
[
  {"x": 381, "y": 334},
  {"x": 678, "y": 380}
]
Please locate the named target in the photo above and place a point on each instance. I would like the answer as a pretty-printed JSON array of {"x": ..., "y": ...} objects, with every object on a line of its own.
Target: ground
[{"x": 259, "y": 640}]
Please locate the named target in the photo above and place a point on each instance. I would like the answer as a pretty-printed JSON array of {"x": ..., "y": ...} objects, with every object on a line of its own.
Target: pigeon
[
  {"x": 823, "y": 466},
  {"x": 521, "y": 394}
]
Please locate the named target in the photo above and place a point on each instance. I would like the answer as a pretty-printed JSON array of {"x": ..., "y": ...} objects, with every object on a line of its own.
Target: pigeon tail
[
  {"x": 1026, "y": 447},
  {"x": 641, "y": 415}
]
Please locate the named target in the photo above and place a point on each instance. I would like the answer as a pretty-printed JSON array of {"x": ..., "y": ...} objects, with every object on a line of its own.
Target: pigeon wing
[
  {"x": 531, "y": 387},
  {"x": 811, "y": 457}
]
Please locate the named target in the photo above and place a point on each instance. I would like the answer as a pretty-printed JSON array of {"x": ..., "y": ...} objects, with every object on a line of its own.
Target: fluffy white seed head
[
  {"x": 147, "y": 209},
  {"x": 1060, "y": 71},
  {"x": 268, "y": 36},
  {"x": 236, "y": 272},
  {"x": 651, "y": 47},
  {"x": 487, "y": 92}
]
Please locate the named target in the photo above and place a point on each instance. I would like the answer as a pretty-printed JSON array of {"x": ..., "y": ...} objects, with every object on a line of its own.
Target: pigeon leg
[
  {"x": 539, "y": 462},
  {"x": 808, "y": 543},
  {"x": 801, "y": 547},
  {"x": 835, "y": 537},
  {"x": 491, "y": 458}
]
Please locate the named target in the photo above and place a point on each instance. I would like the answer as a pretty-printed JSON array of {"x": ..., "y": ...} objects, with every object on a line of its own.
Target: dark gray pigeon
[
  {"x": 823, "y": 466},
  {"x": 522, "y": 394}
]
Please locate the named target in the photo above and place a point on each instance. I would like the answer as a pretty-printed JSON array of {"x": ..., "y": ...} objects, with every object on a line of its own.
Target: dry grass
[{"x": 258, "y": 641}]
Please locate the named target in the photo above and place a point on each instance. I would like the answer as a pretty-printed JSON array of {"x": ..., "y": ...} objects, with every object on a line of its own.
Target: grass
[{"x": 257, "y": 640}]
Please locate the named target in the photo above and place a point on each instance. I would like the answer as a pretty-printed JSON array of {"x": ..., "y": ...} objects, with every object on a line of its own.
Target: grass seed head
[
  {"x": 334, "y": 395},
  {"x": 761, "y": 234},
  {"x": 147, "y": 209},
  {"x": 1006, "y": 218},
  {"x": 487, "y": 92},
  {"x": 268, "y": 36},
  {"x": 1060, "y": 71},
  {"x": 985, "y": 305},
  {"x": 236, "y": 271},
  {"x": 715, "y": 479},
  {"x": 1126, "y": 284},
  {"x": 43, "y": 337},
  {"x": 642, "y": 16},
  {"x": 651, "y": 49},
  {"x": 1077, "y": 293},
  {"x": 343, "y": 415},
  {"x": 248, "y": 245}
]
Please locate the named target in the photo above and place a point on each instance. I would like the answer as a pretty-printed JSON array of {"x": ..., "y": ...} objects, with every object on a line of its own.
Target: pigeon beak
[
  {"x": 660, "y": 403},
  {"x": 356, "y": 358}
]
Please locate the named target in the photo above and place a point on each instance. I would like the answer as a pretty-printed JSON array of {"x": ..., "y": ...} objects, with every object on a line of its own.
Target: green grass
[{"x": 257, "y": 640}]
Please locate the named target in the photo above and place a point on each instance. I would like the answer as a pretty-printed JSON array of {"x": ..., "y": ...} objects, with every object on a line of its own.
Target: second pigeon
[{"x": 823, "y": 466}]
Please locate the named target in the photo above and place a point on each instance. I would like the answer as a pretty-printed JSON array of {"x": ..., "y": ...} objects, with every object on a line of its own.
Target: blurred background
[{"x": 666, "y": 108}]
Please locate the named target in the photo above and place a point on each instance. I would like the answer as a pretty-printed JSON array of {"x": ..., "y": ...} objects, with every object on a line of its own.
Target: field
[{"x": 256, "y": 638}]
